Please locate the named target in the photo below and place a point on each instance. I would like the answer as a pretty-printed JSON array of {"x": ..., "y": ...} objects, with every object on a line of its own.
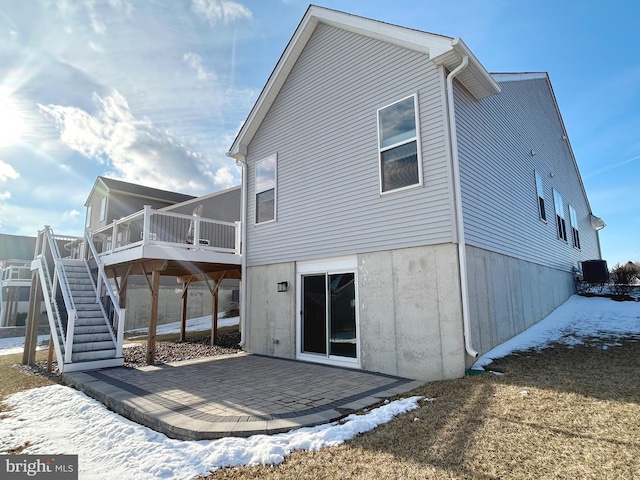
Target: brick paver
[{"x": 235, "y": 395}]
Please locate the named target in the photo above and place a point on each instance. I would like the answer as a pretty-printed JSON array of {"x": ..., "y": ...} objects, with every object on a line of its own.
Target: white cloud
[
  {"x": 134, "y": 148},
  {"x": 221, "y": 11},
  {"x": 195, "y": 61},
  {"x": 224, "y": 178},
  {"x": 5, "y": 195},
  {"x": 7, "y": 172},
  {"x": 72, "y": 213}
]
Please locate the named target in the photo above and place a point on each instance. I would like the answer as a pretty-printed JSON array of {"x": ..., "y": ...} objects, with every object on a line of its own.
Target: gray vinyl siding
[
  {"x": 323, "y": 127},
  {"x": 495, "y": 138}
]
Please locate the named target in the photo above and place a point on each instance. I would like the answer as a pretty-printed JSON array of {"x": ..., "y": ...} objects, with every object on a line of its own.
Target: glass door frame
[{"x": 327, "y": 267}]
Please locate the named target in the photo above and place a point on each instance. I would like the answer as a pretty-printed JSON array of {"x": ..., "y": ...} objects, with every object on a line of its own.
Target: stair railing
[
  {"x": 61, "y": 281},
  {"x": 103, "y": 285}
]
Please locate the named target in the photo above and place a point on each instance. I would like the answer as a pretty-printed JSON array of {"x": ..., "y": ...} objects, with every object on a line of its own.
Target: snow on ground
[
  {"x": 577, "y": 319},
  {"x": 11, "y": 345},
  {"x": 57, "y": 419}
]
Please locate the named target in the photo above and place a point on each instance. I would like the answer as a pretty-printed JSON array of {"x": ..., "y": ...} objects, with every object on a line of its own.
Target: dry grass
[
  {"x": 13, "y": 380},
  {"x": 561, "y": 413}
]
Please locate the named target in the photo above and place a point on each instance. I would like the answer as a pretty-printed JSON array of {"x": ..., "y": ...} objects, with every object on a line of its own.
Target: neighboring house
[
  {"x": 111, "y": 200},
  {"x": 16, "y": 253},
  {"x": 405, "y": 210}
]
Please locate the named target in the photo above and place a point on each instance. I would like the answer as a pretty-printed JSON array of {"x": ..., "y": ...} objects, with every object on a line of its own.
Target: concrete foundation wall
[
  {"x": 410, "y": 312},
  {"x": 271, "y": 319},
  {"x": 508, "y": 295},
  {"x": 170, "y": 304},
  {"x": 410, "y": 317}
]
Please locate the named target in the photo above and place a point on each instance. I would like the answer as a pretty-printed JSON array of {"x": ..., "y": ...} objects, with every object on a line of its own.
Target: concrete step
[{"x": 92, "y": 346}]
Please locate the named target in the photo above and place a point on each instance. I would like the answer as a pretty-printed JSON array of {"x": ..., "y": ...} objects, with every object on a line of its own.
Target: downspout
[
  {"x": 240, "y": 161},
  {"x": 462, "y": 256}
]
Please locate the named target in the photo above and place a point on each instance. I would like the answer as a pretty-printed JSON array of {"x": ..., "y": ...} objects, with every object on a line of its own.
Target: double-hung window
[
  {"x": 103, "y": 209},
  {"x": 266, "y": 171},
  {"x": 540, "y": 189},
  {"x": 400, "y": 164},
  {"x": 575, "y": 233},
  {"x": 560, "y": 221}
]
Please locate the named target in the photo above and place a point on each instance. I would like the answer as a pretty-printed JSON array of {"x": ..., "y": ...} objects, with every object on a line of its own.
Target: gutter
[{"x": 462, "y": 256}]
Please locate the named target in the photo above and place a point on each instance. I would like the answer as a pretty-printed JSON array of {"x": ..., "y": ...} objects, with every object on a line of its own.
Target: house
[
  {"x": 125, "y": 255},
  {"x": 112, "y": 199},
  {"x": 405, "y": 210},
  {"x": 16, "y": 251}
]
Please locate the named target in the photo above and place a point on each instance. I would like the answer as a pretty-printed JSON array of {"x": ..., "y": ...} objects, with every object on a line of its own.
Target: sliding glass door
[{"x": 328, "y": 315}]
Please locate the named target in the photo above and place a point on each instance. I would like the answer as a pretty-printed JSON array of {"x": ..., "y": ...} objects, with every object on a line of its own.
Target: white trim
[
  {"x": 327, "y": 266},
  {"x": 381, "y": 149},
  {"x": 103, "y": 209}
]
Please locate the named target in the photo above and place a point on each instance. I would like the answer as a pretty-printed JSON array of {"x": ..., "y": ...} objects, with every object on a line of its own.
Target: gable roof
[
  {"x": 109, "y": 185},
  {"x": 443, "y": 50},
  {"x": 524, "y": 76}
]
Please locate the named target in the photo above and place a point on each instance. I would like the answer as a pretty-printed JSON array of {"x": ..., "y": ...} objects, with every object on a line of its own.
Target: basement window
[{"x": 398, "y": 146}]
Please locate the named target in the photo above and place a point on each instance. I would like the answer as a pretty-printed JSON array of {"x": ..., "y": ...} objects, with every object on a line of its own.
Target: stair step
[
  {"x": 92, "y": 346},
  {"x": 94, "y": 313},
  {"x": 91, "y": 337},
  {"x": 90, "y": 329},
  {"x": 94, "y": 355},
  {"x": 90, "y": 321}
]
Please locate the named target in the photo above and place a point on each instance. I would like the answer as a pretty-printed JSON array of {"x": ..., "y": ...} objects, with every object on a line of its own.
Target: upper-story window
[
  {"x": 400, "y": 163},
  {"x": 103, "y": 209},
  {"x": 87, "y": 222},
  {"x": 560, "y": 221},
  {"x": 540, "y": 189},
  {"x": 575, "y": 233},
  {"x": 266, "y": 171}
]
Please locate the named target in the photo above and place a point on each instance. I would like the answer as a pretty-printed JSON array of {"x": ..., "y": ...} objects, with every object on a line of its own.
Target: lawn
[{"x": 559, "y": 413}]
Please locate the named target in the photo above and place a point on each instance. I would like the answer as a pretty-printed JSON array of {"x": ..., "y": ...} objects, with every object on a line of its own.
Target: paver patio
[{"x": 235, "y": 395}]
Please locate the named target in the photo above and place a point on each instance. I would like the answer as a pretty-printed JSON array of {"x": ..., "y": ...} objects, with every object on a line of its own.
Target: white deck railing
[
  {"x": 167, "y": 229},
  {"x": 15, "y": 272}
]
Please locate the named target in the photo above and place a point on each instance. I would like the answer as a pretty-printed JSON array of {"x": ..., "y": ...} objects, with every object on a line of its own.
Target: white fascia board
[{"x": 518, "y": 76}]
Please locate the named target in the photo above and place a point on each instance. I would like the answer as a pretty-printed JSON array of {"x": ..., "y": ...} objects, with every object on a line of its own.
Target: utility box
[{"x": 595, "y": 271}]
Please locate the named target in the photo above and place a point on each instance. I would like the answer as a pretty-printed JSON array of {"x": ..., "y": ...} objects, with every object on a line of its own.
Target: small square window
[
  {"x": 266, "y": 174},
  {"x": 400, "y": 165}
]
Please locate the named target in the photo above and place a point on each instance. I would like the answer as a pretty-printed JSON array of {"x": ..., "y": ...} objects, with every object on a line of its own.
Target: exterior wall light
[{"x": 283, "y": 286}]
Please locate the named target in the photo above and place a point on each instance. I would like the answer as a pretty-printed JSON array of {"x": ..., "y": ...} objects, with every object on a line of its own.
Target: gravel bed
[
  {"x": 196, "y": 347},
  {"x": 174, "y": 351}
]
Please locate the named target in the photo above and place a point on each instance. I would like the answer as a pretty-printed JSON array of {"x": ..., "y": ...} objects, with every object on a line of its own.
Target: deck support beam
[{"x": 183, "y": 313}]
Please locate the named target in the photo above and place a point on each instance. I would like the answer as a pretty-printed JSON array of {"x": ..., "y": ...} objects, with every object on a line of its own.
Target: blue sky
[{"x": 153, "y": 92}]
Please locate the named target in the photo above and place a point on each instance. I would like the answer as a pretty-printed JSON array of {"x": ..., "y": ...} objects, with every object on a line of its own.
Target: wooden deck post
[
  {"x": 183, "y": 313},
  {"x": 33, "y": 320},
  {"x": 153, "y": 319},
  {"x": 214, "y": 319}
]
